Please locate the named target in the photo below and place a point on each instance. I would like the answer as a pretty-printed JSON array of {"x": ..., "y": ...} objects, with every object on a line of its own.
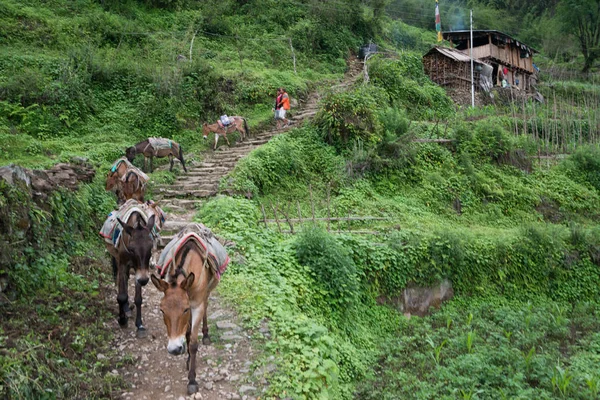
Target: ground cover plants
[
  {"x": 458, "y": 194},
  {"x": 517, "y": 239}
]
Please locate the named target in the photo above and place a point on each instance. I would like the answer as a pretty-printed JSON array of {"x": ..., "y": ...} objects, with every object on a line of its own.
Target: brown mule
[
  {"x": 113, "y": 179},
  {"x": 153, "y": 147},
  {"x": 238, "y": 124},
  {"x": 134, "y": 186},
  {"x": 192, "y": 271}
]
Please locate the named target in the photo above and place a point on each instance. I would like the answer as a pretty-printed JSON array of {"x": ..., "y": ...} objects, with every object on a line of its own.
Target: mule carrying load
[
  {"x": 191, "y": 264},
  {"x": 130, "y": 235},
  {"x": 224, "y": 126},
  {"x": 156, "y": 147},
  {"x": 127, "y": 181}
]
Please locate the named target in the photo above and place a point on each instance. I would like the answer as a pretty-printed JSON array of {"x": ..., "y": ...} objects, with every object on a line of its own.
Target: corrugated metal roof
[{"x": 454, "y": 54}]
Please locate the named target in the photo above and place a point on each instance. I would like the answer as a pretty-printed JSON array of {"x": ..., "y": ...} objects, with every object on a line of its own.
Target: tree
[{"x": 582, "y": 19}]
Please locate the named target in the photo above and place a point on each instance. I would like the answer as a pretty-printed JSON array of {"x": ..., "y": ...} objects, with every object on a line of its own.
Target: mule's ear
[
  {"x": 150, "y": 223},
  {"x": 128, "y": 229},
  {"x": 160, "y": 284},
  {"x": 188, "y": 282}
]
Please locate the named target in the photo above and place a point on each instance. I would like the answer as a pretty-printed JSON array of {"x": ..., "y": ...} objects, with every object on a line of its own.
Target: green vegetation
[{"x": 518, "y": 238}]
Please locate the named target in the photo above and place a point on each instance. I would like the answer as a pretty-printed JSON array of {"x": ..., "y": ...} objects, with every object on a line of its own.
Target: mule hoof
[
  {"x": 123, "y": 321},
  {"x": 192, "y": 388},
  {"x": 206, "y": 341},
  {"x": 141, "y": 333}
]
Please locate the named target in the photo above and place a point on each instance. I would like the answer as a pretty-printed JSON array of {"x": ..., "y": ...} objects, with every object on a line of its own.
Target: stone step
[
  {"x": 173, "y": 226},
  {"x": 186, "y": 185},
  {"x": 180, "y": 203},
  {"x": 229, "y": 164},
  {"x": 164, "y": 240},
  {"x": 198, "y": 171},
  {"x": 200, "y": 180},
  {"x": 304, "y": 115},
  {"x": 188, "y": 193}
]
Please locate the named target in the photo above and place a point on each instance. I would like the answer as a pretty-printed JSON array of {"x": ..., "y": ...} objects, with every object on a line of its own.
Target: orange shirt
[{"x": 285, "y": 102}]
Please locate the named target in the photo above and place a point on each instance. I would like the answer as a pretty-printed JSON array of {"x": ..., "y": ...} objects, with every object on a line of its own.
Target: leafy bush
[
  {"x": 289, "y": 162},
  {"x": 407, "y": 86},
  {"x": 584, "y": 165},
  {"x": 331, "y": 266},
  {"x": 350, "y": 115}
]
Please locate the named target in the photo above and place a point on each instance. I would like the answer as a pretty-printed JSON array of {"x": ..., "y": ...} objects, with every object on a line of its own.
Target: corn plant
[
  {"x": 471, "y": 394},
  {"x": 437, "y": 350},
  {"x": 469, "y": 319},
  {"x": 528, "y": 358},
  {"x": 561, "y": 380},
  {"x": 470, "y": 340},
  {"x": 593, "y": 384}
]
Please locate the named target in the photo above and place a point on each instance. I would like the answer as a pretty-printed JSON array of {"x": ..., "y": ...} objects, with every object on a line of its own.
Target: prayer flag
[{"x": 438, "y": 22}]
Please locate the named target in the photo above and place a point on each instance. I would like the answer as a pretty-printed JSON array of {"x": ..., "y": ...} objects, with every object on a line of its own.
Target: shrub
[
  {"x": 408, "y": 87},
  {"x": 349, "y": 116},
  {"x": 584, "y": 165},
  {"x": 330, "y": 264}
]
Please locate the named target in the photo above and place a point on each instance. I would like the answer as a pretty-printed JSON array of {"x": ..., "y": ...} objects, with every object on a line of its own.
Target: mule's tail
[
  {"x": 246, "y": 128},
  {"x": 181, "y": 158}
]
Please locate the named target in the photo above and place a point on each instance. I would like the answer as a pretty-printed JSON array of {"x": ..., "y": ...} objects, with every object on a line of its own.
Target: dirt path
[{"x": 225, "y": 369}]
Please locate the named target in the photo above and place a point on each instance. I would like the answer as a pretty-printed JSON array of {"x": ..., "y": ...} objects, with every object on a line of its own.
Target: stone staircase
[{"x": 186, "y": 194}]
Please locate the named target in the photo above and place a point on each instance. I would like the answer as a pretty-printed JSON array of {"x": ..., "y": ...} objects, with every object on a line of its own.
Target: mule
[
  {"x": 134, "y": 187},
  {"x": 239, "y": 124},
  {"x": 156, "y": 147},
  {"x": 130, "y": 235},
  {"x": 113, "y": 179},
  {"x": 192, "y": 273}
]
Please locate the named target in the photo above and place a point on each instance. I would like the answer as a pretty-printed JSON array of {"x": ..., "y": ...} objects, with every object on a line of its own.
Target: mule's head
[
  {"x": 138, "y": 243},
  {"x": 112, "y": 180},
  {"x": 130, "y": 153},
  {"x": 205, "y": 130},
  {"x": 175, "y": 307}
]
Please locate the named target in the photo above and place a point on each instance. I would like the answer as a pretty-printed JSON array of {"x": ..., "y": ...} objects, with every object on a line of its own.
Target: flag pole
[{"x": 472, "y": 79}]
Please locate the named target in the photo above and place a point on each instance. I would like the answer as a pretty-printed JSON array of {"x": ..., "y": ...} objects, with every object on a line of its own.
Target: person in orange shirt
[
  {"x": 285, "y": 106},
  {"x": 282, "y": 104}
]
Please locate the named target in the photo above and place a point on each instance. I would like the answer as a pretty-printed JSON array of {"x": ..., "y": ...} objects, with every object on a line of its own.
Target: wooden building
[
  {"x": 452, "y": 68},
  {"x": 511, "y": 59}
]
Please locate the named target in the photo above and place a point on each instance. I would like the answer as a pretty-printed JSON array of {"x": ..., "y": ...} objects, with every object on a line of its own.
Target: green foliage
[
  {"x": 407, "y": 86},
  {"x": 289, "y": 162},
  {"x": 584, "y": 165},
  {"x": 485, "y": 141},
  {"x": 331, "y": 266},
  {"x": 38, "y": 239},
  {"x": 493, "y": 367},
  {"x": 351, "y": 115}
]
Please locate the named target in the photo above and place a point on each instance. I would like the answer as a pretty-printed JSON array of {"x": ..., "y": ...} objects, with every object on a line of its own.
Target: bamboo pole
[
  {"x": 264, "y": 215},
  {"x": 312, "y": 204},
  {"x": 276, "y": 219}
]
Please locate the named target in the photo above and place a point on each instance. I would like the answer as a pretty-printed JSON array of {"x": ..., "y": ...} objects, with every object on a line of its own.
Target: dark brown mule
[
  {"x": 133, "y": 251},
  {"x": 134, "y": 186},
  {"x": 184, "y": 304},
  {"x": 239, "y": 124},
  {"x": 146, "y": 148}
]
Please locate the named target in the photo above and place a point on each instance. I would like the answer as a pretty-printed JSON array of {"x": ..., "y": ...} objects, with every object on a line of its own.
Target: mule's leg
[
  {"x": 115, "y": 269},
  {"x": 188, "y": 334},
  {"x": 227, "y": 140},
  {"x": 152, "y": 163},
  {"x": 171, "y": 160},
  {"x": 122, "y": 298},
  {"x": 193, "y": 350},
  {"x": 205, "y": 337},
  {"x": 141, "y": 330},
  {"x": 216, "y": 140}
]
